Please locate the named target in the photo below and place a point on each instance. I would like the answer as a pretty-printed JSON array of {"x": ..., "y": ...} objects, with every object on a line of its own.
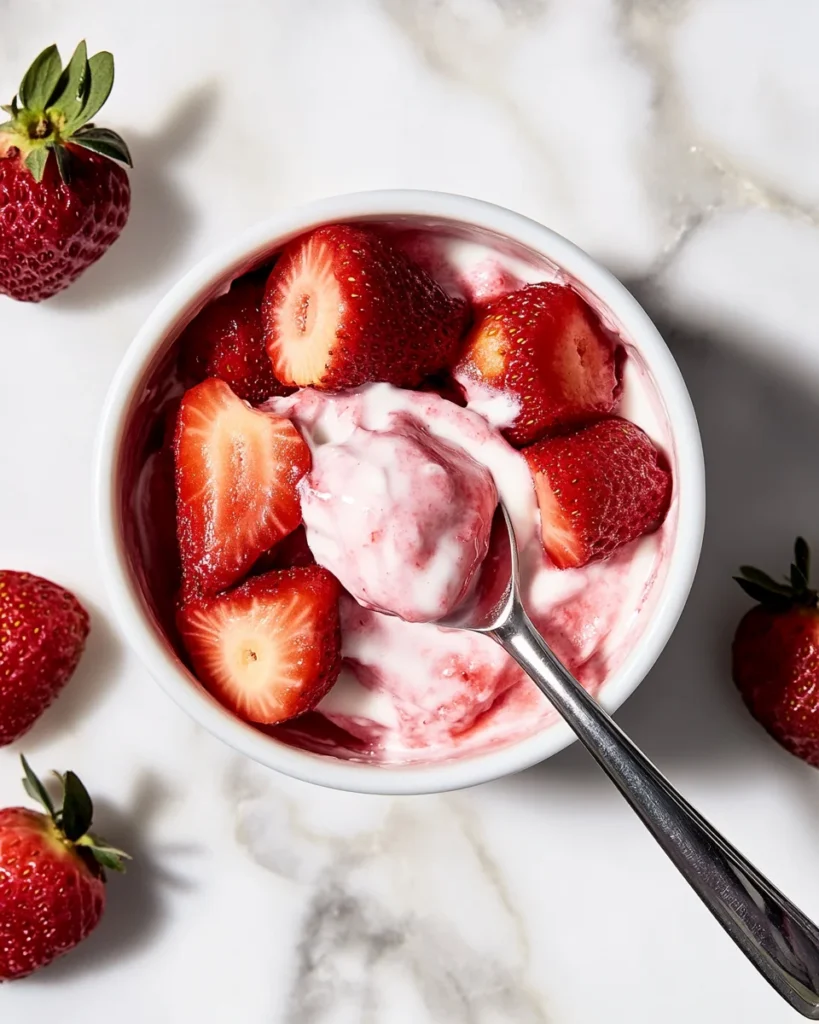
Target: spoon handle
[{"x": 774, "y": 934}]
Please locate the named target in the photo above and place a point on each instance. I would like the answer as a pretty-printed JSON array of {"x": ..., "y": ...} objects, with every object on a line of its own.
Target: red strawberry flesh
[
  {"x": 270, "y": 649},
  {"x": 43, "y": 629},
  {"x": 236, "y": 476},
  {"x": 544, "y": 347},
  {"x": 598, "y": 488},
  {"x": 776, "y": 669},
  {"x": 53, "y": 231},
  {"x": 226, "y": 340},
  {"x": 344, "y": 306},
  {"x": 52, "y": 878},
  {"x": 50, "y": 899}
]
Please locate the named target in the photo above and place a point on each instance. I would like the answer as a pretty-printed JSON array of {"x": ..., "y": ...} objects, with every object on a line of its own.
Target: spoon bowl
[{"x": 492, "y": 596}]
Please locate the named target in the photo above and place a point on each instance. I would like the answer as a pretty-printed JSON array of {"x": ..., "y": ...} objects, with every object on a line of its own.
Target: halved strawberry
[
  {"x": 290, "y": 553},
  {"x": 236, "y": 475},
  {"x": 226, "y": 340},
  {"x": 544, "y": 347},
  {"x": 270, "y": 649},
  {"x": 343, "y": 306},
  {"x": 598, "y": 488}
]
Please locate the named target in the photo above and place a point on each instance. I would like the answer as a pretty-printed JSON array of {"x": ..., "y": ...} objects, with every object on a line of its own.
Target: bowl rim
[{"x": 128, "y": 605}]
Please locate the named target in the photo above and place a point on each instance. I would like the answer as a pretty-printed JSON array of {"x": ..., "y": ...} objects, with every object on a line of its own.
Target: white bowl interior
[{"x": 142, "y": 380}]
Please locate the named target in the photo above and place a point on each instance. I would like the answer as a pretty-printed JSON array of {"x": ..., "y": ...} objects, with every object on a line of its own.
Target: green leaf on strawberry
[
  {"x": 794, "y": 591},
  {"x": 72, "y": 88},
  {"x": 63, "y": 157},
  {"x": 101, "y": 81},
  {"x": 35, "y": 789},
  {"x": 78, "y": 810},
  {"x": 103, "y": 141},
  {"x": 800, "y": 570},
  {"x": 54, "y": 108},
  {"x": 36, "y": 161},
  {"x": 73, "y": 818},
  {"x": 41, "y": 79}
]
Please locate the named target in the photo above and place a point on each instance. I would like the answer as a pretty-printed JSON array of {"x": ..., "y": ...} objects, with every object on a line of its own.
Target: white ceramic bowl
[{"x": 493, "y": 224}]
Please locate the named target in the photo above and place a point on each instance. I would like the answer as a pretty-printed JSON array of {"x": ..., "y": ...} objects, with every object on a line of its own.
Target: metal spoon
[{"x": 774, "y": 934}]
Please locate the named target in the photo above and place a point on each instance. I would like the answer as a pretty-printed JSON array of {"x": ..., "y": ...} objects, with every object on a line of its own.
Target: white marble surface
[{"x": 678, "y": 141}]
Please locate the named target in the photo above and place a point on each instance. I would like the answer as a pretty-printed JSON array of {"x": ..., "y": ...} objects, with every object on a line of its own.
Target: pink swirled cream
[{"x": 400, "y": 517}]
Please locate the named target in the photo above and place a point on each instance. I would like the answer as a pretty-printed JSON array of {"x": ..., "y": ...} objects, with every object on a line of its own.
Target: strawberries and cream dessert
[{"x": 326, "y": 446}]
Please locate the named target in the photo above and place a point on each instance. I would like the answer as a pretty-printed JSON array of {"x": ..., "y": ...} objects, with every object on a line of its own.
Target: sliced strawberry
[
  {"x": 598, "y": 488},
  {"x": 236, "y": 475},
  {"x": 290, "y": 553},
  {"x": 226, "y": 340},
  {"x": 544, "y": 347},
  {"x": 155, "y": 535},
  {"x": 343, "y": 306},
  {"x": 270, "y": 649}
]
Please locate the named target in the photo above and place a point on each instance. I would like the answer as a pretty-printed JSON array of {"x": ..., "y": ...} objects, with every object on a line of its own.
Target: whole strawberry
[
  {"x": 43, "y": 629},
  {"x": 63, "y": 199},
  {"x": 776, "y": 655},
  {"x": 52, "y": 876}
]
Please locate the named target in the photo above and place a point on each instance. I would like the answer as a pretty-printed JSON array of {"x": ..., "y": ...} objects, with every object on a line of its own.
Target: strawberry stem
[
  {"x": 41, "y": 129},
  {"x": 55, "y": 105}
]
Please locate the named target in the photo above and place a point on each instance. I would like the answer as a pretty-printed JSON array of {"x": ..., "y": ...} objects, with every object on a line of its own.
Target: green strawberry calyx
[
  {"x": 71, "y": 821},
  {"x": 54, "y": 106},
  {"x": 794, "y": 592}
]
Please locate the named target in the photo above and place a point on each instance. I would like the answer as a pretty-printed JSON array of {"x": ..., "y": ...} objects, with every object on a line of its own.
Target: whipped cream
[{"x": 401, "y": 518}]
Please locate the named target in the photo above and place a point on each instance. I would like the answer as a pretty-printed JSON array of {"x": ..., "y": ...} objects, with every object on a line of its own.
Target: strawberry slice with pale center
[
  {"x": 236, "y": 474},
  {"x": 344, "y": 306},
  {"x": 270, "y": 649},
  {"x": 305, "y": 307}
]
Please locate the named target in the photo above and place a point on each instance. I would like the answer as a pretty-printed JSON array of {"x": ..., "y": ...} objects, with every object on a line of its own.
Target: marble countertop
[{"x": 677, "y": 141}]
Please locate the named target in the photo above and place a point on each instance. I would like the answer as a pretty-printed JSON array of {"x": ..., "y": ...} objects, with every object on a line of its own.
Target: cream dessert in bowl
[
  {"x": 400, "y": 516},
  {"x": 401, "y": 692},
  {"x": 409, "y": 689}
]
